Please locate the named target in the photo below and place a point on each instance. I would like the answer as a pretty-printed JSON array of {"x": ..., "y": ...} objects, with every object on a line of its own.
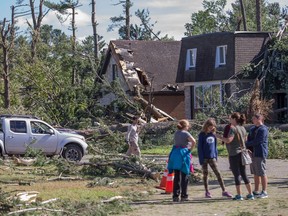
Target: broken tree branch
[
  {"x": 35, "y": 209},
  {"x": 60, "y": 178}
]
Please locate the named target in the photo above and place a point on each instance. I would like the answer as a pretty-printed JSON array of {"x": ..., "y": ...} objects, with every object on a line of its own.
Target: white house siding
[{"x": 110, "y": 97}]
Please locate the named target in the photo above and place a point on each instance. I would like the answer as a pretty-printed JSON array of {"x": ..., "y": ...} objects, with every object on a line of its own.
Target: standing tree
[
  {"x": 258, "y": 15},
  {"x": 149, "y": 34},
  {"x": 243, "y": 12},
  {"x": 118, "y": 21},
  {"x": 270, "y": 15},
  {"x": 7, "y": 42},
  {"x": 95, "y": 35},
  {"x": 63, "y": 8},
  {"x": 37, "y": 17},
  {"x": 211, "y": 19},
  {"x": 240, "y": 17}
]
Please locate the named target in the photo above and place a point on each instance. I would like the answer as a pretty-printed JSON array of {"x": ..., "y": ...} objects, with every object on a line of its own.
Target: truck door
[
  {"x": 17, "y": 139},
  {"x": 43, "y": 137}
]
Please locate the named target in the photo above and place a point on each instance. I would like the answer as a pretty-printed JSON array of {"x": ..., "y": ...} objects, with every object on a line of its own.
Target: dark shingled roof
[{"x": 158, "y": 59}]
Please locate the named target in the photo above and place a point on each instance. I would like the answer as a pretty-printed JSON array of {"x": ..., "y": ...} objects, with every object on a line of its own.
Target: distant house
[
  {"x": 209, "y": 65},
  {"x": 150, "y": 66}
]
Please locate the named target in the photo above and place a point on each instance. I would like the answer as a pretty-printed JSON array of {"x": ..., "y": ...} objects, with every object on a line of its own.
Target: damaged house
[
  {"x": 209, "y": 66},
  {"x": 146, "y": 70}
]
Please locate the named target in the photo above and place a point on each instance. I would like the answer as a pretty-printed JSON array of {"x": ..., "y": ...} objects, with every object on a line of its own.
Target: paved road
[
  {"x": 159, "y": 204},
  {"x": 275, "y": 167}
]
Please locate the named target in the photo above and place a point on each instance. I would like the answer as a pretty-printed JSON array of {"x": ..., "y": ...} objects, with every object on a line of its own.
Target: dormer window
[
  {"x": 191, "y": 59},
  {"x": 221, "y": 52}
]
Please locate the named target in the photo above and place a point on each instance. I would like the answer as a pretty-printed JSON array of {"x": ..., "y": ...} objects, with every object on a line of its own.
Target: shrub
[
  {"x": 277, "y": 144},
  {"x": 41, "y": 158},
  {"x": 160, "y": 134}
]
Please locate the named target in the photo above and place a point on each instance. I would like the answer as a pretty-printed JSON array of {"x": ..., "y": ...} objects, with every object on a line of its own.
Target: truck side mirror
[{"x": 51, "y": 132}]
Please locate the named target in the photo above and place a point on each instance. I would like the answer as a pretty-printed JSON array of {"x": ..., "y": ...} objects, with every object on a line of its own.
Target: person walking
[
  {"x": 234, "y": 143},
  {"x": 180, "y": 160},
  {"x": 259, "y": 141},
  {"x": 208, "y": 153},
  {"x": 132, "y": 137}
]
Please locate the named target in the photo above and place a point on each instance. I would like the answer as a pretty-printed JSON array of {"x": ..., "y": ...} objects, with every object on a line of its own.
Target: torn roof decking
[{"x": 146, "y": 62}]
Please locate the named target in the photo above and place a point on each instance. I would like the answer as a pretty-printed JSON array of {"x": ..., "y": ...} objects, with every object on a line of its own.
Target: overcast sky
[{"x": 171, "y": 15}]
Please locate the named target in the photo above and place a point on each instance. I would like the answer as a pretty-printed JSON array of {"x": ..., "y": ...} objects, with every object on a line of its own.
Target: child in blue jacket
[
  {"x": 180, "y": 160},
  {"x": 208, "y": 153}
]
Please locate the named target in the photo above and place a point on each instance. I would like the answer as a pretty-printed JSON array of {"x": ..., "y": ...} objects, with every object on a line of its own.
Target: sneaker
[
  {"x": 263, "y": 195},
  {"x": 183, "y": 199},
  {"x": 238, "y": 197},
  {"x": 208, "y": 195},
  {"x": 176, "y": 199},
  {"x": 226, "y": 194},
  {"x": 250, "y": 197},
  {"x": 256, "y": 194}
]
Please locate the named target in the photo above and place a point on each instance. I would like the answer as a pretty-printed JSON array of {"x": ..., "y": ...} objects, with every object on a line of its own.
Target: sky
[{"x": 171, "y": 15}]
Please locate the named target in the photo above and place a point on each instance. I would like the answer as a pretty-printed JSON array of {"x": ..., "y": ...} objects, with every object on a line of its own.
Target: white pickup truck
[{"x": 17, "y": 133}]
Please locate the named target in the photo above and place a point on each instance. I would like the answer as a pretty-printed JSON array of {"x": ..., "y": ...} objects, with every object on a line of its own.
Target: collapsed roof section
[
  {"x": 134, "y": 76},
  {"x": 147, "y": 63},
  {"x": 146, "y": 66}
]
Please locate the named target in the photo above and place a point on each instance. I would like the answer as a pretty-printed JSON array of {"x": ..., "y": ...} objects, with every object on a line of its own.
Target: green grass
[
  {"x": 160, "y": 143},
  {"x": 83, "y": 193},
  {"x": 157, "y": 150},
  {"x": 222, "y": 150},
  {"x": 165, "y": 150}
]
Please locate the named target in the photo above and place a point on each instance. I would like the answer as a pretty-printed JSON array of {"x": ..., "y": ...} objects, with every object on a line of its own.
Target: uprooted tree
[
  {"x": 272, "y": 76},
  {"x": 259, "y": 104}
]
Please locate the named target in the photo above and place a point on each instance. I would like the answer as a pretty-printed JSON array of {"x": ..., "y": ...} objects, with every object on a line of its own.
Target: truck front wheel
[{"x": 72, "y": 152}]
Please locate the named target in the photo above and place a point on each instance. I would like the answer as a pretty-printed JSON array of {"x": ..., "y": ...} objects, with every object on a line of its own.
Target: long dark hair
[{"x": 240, "y": 118}]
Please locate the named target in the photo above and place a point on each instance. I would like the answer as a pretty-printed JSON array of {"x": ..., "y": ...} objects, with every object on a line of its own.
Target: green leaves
[{"x": 213, "y": 18}]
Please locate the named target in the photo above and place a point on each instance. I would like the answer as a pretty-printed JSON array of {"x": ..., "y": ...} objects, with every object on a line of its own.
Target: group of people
[{"x": 236, "y": 139}]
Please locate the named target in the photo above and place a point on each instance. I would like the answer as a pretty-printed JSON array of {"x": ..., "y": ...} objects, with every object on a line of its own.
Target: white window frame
[
  {"x": 191, "y": 56},
  {"x": 212, "y": 99},
  {"x": 221, "y": 55}
]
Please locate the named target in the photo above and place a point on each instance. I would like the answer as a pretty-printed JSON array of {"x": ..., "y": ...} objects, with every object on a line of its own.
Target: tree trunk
[
  {"x": 35, "y": 31},
  {"x": 6, "y": 79},
  {"x": 128, "y": 5},
  {"x": 150, "y": 108},
  {"x": 258, "y": 15},
  {"x": 6, "y": 45},
  {"x": 74, "y": 75},
  {"x": 95, "y": 35},
  {"x": 243, "y": 15}
]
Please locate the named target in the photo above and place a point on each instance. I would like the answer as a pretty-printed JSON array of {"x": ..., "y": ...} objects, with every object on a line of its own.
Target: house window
[
  {"x": 191, "y": 59},
  {"x": 221, "y": 52},
  {"x": 278, "y": 63},
  {"x": 114, "y": 72},
  {"x": 207, "y": 96}
]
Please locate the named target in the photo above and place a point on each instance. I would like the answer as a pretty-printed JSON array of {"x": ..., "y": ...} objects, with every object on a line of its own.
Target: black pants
[
  {"x": 180, "y": 184},
  {"x": 238, "y": 169}
]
